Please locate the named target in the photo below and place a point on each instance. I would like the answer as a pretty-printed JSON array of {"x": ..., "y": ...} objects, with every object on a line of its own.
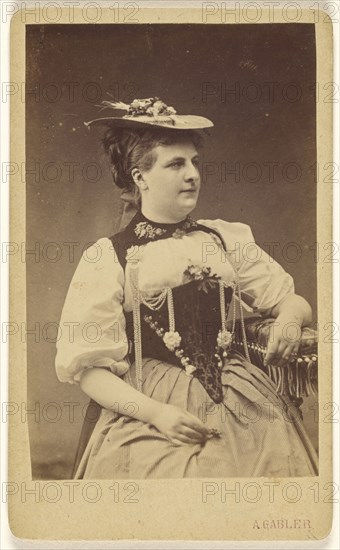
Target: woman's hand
[
  {"x": 284, "y": 341},
  {"x": 179, "y": 426}
]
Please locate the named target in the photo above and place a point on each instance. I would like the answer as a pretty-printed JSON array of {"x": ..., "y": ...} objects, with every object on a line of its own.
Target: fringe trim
[{"x": 296, "y": 379}]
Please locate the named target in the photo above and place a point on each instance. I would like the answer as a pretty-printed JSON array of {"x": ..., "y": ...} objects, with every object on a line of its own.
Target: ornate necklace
[{"x": 148, "y": 230}]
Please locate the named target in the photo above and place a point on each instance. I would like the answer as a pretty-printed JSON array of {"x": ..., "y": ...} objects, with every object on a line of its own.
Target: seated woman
[{"x": 149, "y": 308}]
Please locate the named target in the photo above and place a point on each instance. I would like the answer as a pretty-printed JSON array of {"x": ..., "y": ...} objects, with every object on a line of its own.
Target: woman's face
[{"x": 172, "y": 185}]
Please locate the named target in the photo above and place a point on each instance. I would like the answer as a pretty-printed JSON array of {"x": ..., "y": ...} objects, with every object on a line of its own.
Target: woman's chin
[{"x": 188, "y": 200}]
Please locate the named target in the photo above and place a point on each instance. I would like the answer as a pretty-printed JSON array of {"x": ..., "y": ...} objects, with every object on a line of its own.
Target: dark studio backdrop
[{"x": 256, "y": 82}]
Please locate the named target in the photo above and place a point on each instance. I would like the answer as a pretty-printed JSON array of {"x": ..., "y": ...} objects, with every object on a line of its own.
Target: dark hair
[{"x": 133, "y": 148}]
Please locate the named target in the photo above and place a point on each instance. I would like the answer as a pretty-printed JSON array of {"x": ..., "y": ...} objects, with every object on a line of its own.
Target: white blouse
[{"x": 99, "y": 292}]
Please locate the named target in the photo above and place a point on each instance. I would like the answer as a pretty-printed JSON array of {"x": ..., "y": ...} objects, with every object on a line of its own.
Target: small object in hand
[{"x": 214, "y": 432}]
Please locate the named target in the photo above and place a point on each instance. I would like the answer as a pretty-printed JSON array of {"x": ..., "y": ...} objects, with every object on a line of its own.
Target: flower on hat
[
  {"x": 152, "y": 111},
  {"x": 151, "y": 107}
]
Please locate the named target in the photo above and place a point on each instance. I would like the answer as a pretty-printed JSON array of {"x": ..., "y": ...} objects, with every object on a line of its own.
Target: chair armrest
[{"x": 294, "y": 380}]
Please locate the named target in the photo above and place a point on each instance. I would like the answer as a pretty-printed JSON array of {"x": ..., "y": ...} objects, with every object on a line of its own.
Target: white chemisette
[{"x": 100, "y": 292}]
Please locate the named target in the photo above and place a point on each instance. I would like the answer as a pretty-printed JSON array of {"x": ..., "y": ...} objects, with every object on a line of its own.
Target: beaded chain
[
  {"x": 299, "y": 381},
  {"x": 171, "y": 310},
  {"x": 222, "y": 286},
  {"x": 137, "y": 333},
  {"x": 234, "y": 310},
  {"x": 243, "y": 328},
  {"x": 222, "y": 306},
  {"x": 172, "y": 338},
  {"x": 155, "y": 302}
]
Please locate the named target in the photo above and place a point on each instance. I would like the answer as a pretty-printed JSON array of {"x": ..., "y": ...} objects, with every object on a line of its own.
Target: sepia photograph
[
  {"x": 170, "y": 255},
  {"x": 171, "y": 197}
]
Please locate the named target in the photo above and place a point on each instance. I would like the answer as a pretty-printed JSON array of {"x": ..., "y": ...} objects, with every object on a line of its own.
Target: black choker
[{"x": 147, "y": 230}]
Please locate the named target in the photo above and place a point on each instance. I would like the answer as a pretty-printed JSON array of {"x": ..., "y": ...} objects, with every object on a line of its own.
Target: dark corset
[
  {"x": 198, "y": 321},
  {"x": 197, "y": 312}
]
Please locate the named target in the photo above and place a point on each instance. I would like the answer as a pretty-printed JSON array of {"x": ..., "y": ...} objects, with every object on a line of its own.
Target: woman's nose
[{"x": 191, "y": 172}]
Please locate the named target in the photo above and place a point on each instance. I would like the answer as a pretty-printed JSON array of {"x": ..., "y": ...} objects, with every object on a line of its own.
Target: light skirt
[{"x": 261, "y": 433}]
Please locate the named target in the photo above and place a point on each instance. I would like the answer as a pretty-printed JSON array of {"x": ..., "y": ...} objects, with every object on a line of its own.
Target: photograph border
[{"x": 30, "y": 519}]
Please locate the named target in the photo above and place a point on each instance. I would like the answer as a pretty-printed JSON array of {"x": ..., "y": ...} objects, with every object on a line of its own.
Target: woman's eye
[{"x": 179, "y": 164}]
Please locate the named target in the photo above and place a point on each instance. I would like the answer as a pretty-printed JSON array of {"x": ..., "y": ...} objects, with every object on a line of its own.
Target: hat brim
[{"x": 173, "y": 122}]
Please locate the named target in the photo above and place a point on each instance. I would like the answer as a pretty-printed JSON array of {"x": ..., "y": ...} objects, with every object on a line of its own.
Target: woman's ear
[{"x": 138, "y": 179}]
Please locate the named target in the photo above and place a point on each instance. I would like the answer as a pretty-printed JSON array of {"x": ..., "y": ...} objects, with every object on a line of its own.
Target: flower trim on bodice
[
  {"x": 201, "y": 274},
  {"x": 151, "y": 230},
  {"x": 202, "y": 360},
  {"x": 172, "y": 339},
  {"x": 145, "y": 229}
]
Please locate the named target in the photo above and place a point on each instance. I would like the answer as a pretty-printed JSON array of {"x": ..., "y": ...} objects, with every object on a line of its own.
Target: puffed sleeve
[
  {"x": 263, "y": 281},
  {"x": 92, "y": 324}
]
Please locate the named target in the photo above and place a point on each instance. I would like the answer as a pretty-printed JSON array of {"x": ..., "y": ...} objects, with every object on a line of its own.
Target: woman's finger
[
  {"x": 271, "y": 354},
  {"x": 287, "y": 354},
  {"x": 272, "y": 348},
  {"x": 283, "y": 351},
  {"x": 282, "y": 343},
  {"x": 195, "y": 424},
  {"x": 283, "y": 360},
  {"x": 192, "y": 434}
]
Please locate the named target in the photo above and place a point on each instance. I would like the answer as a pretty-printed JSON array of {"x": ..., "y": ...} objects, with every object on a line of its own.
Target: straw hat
[{"x": 151, "y": 112}]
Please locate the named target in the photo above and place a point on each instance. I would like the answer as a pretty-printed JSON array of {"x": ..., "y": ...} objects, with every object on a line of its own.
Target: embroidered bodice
[
  {"x": 173, "y": 285},
  {"x": 179, "y": 304}
]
